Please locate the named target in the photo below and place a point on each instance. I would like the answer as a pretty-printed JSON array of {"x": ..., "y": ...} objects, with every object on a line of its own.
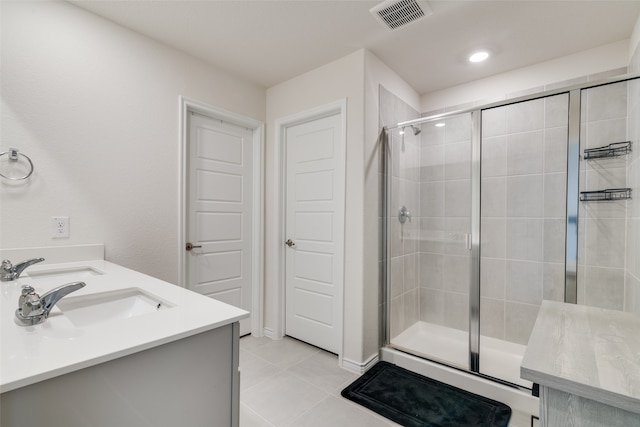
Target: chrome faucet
[
  {"x": 10, "y": 272},
  {"x": 34, "y": 309}
]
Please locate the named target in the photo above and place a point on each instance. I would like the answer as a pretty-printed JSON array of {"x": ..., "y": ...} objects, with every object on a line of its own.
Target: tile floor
[{"x": 288, "y": 383}]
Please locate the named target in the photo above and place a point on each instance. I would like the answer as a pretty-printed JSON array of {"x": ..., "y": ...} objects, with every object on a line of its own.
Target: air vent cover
[{"x": 394, "y": 14}]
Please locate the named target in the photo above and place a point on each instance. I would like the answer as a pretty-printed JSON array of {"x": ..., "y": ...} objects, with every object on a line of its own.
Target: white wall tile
[
  {"x": 492, "y": 318},
  {"x": 494, "y": 156},
  {"x": 524, "y": 152},
  {"x": 605, "y": 243},
  {"x": 554, "y": 240},
  {"x": 457, "y": 157},
  {"x": 492, "y": 277},
  {"x": 605, "y": 132},
  {"x": 524, "y": 239},
  {"x": 519, "y": 321},
  {"x": 555, "y": 195},
  {"x": 432, "y": 163},
  {"x": 525, "y": 116},
  {"x": 555, "y": 149},
  {"x": 431, "y": 234},
  {"x": 524, "y": 281},
  {"x": 494, "y": 122},
  {"x": 411, "y": 307},
  {"x": 432, "y": 306},
  {"x": 431, "y": 199},
  {"x": 458, "y": 128},
  {"x": 493, "y": 238},
  {"x": 606, "y": 102},
  {"x": 525, "y": 196},
  {"x": 556, "y": 110},
  {"x": 431, "y": 271},
  {"x": 397, "y": 276},
  {"x": 456, "y": 273},
  {"x": 455, "y": 230},
  {"x": 553, "y": 281},
  {"x": 456, "y": 311},
  {"x": 604, "y": 287},
  {"x": 494, "y": 197},
  {"x": 457, "y": 198}
]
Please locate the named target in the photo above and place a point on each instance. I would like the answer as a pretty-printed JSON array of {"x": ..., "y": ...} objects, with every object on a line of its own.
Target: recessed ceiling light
[
  {"x": 479, "y": 56},
  {"x": 439, "y": 125}
]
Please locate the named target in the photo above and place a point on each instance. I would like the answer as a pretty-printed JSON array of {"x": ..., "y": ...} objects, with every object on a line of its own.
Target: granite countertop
[
  {"x": 586, "y": 351},
  {"x": 30, "y": 354}
]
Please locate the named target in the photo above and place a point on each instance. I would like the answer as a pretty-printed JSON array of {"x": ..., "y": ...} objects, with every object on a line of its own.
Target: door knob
[
  {"x": 192, "y": 246},
  {"x": 289, "y": 243}
]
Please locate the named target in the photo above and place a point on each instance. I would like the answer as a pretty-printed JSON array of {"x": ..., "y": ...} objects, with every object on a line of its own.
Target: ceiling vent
[{"x": 394, "y": 14}]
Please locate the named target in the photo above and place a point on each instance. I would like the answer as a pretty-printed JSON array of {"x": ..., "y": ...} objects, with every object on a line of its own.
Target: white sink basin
[
  {"x": 109, "y": 306},
  {"x": 64, "y": 275}
]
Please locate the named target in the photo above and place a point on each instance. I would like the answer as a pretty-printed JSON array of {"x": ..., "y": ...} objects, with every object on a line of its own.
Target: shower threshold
[{"x": 498, "y": 359}]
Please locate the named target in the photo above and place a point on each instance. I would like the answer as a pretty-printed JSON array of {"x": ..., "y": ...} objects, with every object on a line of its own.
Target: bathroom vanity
[
  {"x": 125, "y": 350},
  {"x": 587, "y": 363}
]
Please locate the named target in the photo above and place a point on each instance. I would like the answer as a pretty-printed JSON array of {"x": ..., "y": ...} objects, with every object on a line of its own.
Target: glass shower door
[
  {"x": 522, "y": 231},
  {"x": 430, "y": 259}
]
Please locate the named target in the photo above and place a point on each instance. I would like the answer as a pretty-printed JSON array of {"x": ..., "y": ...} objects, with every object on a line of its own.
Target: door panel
[
  {"x": 523, "y": 217},
  {"x": 220, "y": 212},
  {"x": 429, "y": 254},
  {"x": 315, "y": 223}
]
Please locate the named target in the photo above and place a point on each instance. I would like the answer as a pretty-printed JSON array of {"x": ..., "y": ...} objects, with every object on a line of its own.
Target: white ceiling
[{"x": 270, "y": 41}]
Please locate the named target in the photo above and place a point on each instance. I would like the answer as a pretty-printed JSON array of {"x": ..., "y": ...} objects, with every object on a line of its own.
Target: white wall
[
  {"x": 634, "y": 40},
  {"x": 355, "y": 77},
  {"x": 332, "y": 82},
  {"x": 589, "y": 62},
  {"x": 95, "y": 106}
]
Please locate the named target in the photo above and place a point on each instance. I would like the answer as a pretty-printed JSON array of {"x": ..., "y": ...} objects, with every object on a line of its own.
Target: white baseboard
[
  {"x": 270, "y": 333},
  {"x": 359, "y": 368}
]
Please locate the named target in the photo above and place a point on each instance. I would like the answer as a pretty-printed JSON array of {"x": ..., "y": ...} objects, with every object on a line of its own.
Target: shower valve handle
[{"x": 403, "y": 215}]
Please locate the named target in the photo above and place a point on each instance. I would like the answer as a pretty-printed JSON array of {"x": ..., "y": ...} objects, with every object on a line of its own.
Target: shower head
[{"x": 416, "y": 130}]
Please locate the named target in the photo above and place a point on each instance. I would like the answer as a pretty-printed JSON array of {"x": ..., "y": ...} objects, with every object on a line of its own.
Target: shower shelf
[
  {"x": 611, "y": 194},
  {"x": 612, "y": 150}
]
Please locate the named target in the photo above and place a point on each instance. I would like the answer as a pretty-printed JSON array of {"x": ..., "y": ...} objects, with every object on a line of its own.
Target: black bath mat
[{"x": 412, "y": 400}]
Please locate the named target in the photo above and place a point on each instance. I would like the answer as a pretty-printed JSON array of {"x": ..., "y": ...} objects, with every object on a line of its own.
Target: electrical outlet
[{"x": 59, "y": 227}]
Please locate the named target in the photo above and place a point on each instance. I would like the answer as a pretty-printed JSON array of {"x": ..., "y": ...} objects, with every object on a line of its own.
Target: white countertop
[
  {"x": 30, "y": 354},
  {"x": 586, "y": 351}
]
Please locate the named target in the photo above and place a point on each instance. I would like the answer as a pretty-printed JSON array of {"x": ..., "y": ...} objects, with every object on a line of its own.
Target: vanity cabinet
[
  {"x": 587, "y": 363},
  {"x": 193, "y": 381}
]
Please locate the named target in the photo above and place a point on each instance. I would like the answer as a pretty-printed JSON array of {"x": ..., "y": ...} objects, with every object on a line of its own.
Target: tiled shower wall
[
  {"x": 602, "y": 225},
  {"x": 632, "y": 262},
  {"x": 404, "y": 158},
  {"x": 523, "y": 214},
  {"x": 445, "y": 208}
]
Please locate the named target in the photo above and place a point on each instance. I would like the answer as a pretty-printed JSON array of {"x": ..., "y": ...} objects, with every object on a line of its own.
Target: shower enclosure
[{"x": 492, "y": 210}]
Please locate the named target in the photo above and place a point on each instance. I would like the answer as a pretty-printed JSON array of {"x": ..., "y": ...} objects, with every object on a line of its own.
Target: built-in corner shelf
[
  {"x": 610, "y": 194},
  {"x": 615, "y": 149}
]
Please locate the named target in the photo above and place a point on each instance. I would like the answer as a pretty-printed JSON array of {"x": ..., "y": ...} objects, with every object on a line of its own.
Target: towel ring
[{"x": 13, "y": 156}]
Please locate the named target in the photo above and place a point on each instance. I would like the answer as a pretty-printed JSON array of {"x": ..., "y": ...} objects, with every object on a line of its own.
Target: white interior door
[
  {"x": 315, "y": 189},
  {"x": 220, "y": 212}
]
